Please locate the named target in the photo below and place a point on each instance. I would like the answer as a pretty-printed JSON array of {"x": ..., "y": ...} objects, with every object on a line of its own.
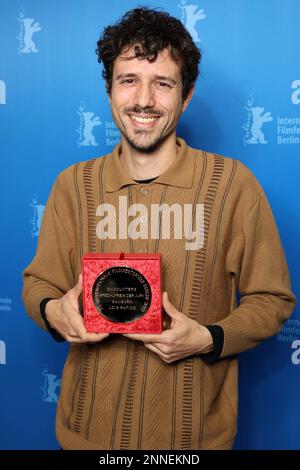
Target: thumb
[
  {"x": 78, "y": 286},
  {"x": 169, "y": 307}
]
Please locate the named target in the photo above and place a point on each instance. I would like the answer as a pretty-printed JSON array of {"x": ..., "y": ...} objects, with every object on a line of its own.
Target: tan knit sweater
[{"x": 117, "y": 394}]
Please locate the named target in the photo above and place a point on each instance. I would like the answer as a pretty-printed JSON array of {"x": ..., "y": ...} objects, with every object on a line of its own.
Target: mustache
[{"x": 139, "y": 110}]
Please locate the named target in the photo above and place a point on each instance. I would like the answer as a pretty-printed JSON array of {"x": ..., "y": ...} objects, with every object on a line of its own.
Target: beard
[
  {"x": 142, "y": 140},
  {"x": 145, "y": 147},
  {"x": 149, "y": 144}
]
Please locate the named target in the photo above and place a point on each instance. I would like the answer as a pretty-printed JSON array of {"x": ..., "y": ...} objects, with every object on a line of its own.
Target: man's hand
[
  {"x": 64, "y": 316},
  {"x": 185, "y": 337}
]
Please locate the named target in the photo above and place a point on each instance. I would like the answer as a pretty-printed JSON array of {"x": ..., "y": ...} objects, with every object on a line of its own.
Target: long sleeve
[
  {"x": 261, "y": 275},
  {"x": 51, "y": 274}
]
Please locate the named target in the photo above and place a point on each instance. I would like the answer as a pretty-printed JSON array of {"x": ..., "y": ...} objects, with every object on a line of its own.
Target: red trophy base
[{"x": 122, "y": 293}]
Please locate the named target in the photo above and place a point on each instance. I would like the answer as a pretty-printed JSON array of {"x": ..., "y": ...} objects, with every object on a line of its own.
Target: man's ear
[{"x": 188, "y": 98}]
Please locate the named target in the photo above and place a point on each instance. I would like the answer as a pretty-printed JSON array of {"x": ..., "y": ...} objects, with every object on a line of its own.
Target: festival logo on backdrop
[
  {"x": 112, "y": 134},
  {"x": 88, "y": 121},
  {"x": 5, "y": 304},
  {"x": 256, "y": 118},
  {"x": 38, "y": 211},
  {"x": 28, "y": 26},
  {"x": 50, "y": 387},
  {"x": 191, "y": 14},
  {"x": 2, "y": 352},
  {"x": 290, "y": 333},
  {"x": 2, "y": 92},
  {"x": 85, "y": 131},
  {"x": 287, "y": 127}
]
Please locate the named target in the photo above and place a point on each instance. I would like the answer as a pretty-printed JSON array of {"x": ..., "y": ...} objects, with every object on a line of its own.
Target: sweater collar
[{"x": 180, "y": 172}]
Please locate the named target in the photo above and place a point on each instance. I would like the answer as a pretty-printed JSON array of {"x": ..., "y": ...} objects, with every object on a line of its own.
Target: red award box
[{"x": 122, "y": 292}]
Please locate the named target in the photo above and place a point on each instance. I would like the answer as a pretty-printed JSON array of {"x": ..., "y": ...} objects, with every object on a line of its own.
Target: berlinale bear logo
[
  {"x": 88, "y": 121},
  {"x": 190, "y": 16},
  {"x": 27, "y": 29},
  {"x": 51, "y": 383},
  {"x": 259, "y": 118},
  {"x": 36, "y": 220}
]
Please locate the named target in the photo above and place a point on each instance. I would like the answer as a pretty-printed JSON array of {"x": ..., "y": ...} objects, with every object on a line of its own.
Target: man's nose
[{"x": 144, "y": 96}]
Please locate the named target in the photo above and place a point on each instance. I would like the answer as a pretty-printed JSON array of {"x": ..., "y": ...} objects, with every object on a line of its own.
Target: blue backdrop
[{"x": 54, "y": 112}]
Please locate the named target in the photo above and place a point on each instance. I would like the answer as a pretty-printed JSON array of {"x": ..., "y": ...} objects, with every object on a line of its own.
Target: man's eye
[
  {"x": 164, "y": 85},
  {"x": 128, "y": 81}
]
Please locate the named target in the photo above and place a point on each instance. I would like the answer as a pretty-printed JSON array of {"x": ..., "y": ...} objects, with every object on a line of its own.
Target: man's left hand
[{"x": 185, "y": 337}]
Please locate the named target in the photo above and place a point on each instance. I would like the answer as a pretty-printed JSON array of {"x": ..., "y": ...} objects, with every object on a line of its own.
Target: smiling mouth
[{"x": 143, "y": 120}]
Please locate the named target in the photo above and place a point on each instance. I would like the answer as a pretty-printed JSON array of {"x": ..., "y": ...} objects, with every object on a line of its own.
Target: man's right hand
[{"x": 64, "y": 316}]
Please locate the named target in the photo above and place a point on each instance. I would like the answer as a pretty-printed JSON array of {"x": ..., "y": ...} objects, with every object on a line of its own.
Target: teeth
[{"x": 140, "y": 119}]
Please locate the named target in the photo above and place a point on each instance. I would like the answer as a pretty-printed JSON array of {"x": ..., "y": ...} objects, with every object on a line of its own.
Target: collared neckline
[{"x": 180, "y": 172}]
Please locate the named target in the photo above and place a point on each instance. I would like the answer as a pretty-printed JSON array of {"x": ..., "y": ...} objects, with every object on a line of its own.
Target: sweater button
[{"x": 144, "y": 191}]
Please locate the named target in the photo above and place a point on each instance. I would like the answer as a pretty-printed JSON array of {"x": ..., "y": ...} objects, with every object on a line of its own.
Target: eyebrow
[{"x": 157, "y": 77}]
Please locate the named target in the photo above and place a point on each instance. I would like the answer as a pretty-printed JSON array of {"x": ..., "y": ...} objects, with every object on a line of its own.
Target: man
[{"x": 177, "y": 390}]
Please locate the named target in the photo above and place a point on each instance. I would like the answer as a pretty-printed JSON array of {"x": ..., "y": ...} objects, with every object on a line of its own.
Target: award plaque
[{"x": 122, "y": 292}]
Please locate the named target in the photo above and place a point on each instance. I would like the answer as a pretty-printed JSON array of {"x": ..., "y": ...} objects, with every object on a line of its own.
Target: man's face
[{"x": 145, "y": 99}]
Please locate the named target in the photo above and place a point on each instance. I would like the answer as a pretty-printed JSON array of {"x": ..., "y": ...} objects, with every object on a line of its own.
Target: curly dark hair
[{"x": 149, "y": 32}]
